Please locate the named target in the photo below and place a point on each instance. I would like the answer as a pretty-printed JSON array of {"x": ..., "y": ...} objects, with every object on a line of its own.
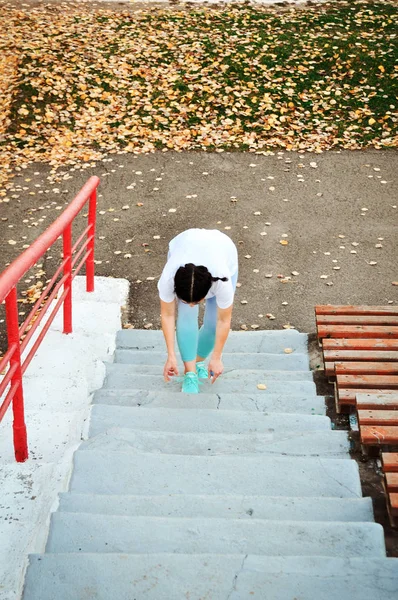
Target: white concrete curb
[{"x": 58, "y": 389}]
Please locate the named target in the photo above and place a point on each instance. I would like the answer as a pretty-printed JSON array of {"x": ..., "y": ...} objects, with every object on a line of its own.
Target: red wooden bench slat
[
  {"x": 355, "y": 331},
  {"x": 392, "y": 482},
  {"x": 368, "y": 381},
  {"x": 360, "y": 355},
  {"x": 377, "y": 401},
  {"x": 372, "y": 344},
  {"x": 340, "y": 309},
  {"x": 378, "y": 417},
  {"x": 357, "y": 320},
  {"x": 378, "y": 434},
  {"x": 371, "y": 368},
  {"x": 329, "y": 369},
  {"x": 360, "y": 367},
  {"x": 394, "y": 503},
  {"x": 390, "y": 462},
  {"x": 348, "y": 395}
]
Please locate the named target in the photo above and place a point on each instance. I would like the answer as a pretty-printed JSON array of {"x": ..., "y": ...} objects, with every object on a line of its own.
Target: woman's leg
[
  {"x": 188, "y": 334},
  {"x": 207, "y": 333}
]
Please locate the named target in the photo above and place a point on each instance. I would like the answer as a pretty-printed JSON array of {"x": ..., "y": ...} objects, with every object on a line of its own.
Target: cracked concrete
[{"x": 235, "y": 581}]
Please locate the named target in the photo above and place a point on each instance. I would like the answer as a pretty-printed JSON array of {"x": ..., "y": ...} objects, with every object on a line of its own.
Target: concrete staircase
[{"x": 235, "y": 493}]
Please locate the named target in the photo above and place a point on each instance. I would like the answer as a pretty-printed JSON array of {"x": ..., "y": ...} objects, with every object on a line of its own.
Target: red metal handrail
[{"x": 19, "y": 336}]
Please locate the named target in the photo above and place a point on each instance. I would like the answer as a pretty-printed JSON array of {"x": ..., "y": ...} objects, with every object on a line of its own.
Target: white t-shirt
[{"x": 208, "y": 247}]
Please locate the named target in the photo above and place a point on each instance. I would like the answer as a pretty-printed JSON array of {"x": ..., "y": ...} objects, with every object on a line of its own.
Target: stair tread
[
  {"x": 253, "y": 341},
  {"x": 294, "y": 404},
  {"x": 184, "y": 420},
  {"x": 90, "y": 532},
  {"x": 243, "y": 506},
  {"x": 295, "y": 361},
  {"x": 236, "y": 385},
  {"x": 123, "y": 369},
  {"x": 287, "y": 443},
  {"x": 237, "y": 577},
  {"x": 165, "y": 474}
]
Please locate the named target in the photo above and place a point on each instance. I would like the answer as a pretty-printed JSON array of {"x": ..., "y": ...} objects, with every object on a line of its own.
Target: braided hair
[{"x": 192, "y": 282}]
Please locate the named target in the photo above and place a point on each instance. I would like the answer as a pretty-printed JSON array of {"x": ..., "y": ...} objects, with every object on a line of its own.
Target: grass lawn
[{"x": 80, "y": 83}]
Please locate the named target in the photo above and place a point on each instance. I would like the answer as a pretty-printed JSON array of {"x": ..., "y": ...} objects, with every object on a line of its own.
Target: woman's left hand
[{"x": 216, "y": 367}]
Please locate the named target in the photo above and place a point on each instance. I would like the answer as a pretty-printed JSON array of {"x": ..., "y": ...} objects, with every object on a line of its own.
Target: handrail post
[
  {"x": 67, "y": 237},
  {"x": 92, "y": 211},
  {"x": 19, "y": 427}
]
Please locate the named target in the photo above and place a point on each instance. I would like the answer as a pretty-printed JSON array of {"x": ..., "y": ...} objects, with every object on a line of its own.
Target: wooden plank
[
  {"x": 370, "y": 368},
  {"x": 372, "y": 344},
  {"x": 392, "y": 482},
  {"x": 391, "y": 512},
  {"x": 349, "y": 309},
  {"x": 390, "y": 462},
  {"x": 357, "y": 331},
  {"x": 368, "y": 381},
  {"x": 373, "y": 355},
  {"x": 378, "y": 417},
  {"x": 394, "y": 503},
  {"x": 377, "y": 435},
  {"x": 360, "y": 367},
  {"x": 329, "y": 369},
  {"x": 377, "y": 401},
  {"x": 348, "y": 395},
  {"x": 357, "y": 320}
]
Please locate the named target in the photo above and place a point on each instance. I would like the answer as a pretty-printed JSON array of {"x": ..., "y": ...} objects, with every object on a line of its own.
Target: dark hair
[{"x": 192, "y": 283}]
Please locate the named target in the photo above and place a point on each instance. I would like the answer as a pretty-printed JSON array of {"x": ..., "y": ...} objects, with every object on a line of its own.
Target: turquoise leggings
[{"x": 191, "y": 340}]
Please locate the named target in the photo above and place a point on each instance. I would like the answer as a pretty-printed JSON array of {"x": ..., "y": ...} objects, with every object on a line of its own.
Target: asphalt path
[{"x": 337, "y": 211}]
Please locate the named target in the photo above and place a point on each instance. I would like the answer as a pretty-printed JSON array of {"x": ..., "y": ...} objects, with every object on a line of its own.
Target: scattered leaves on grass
[{"x": 78, "y": 84}]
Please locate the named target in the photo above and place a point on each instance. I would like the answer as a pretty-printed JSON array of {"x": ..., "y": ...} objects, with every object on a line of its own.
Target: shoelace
[
  {"x": 201, "y": 368},
  {"x": 191, "y": 383}
]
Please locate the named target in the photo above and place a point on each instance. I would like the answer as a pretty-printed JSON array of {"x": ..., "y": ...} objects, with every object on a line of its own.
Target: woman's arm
[
  {"x": 167, "y": 313},
  {"x": 224, "y": 316}
]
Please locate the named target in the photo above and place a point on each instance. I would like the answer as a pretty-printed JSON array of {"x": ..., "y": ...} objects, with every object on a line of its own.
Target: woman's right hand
[{"x": 170, "y": 368}]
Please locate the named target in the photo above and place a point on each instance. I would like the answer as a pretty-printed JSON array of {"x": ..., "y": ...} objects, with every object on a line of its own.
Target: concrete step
[
  {"x": 245, "y": 384},
  {"x": 88, "y": 532},
  {"x": 277, "y": 508},
  {"x": 273, "y": 342},
  {"x": 269, "y": 402},
  {"x": 126, "y": 370},
  {"x": 212, "y": 576},
  {"x": 328, "y": 444},
  {"x": 101, "y": 472},
  {"x": 198, "y": 420},
  {"x": 236, "y": 360}
]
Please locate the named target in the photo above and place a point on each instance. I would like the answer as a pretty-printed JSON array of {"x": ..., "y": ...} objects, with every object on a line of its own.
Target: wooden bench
[
  {"x": 360, "y": 349},
  {"x": 389, "y": 461},
  {"x": 377, "y": 419},
  {"x": 357, "y": 350}
]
